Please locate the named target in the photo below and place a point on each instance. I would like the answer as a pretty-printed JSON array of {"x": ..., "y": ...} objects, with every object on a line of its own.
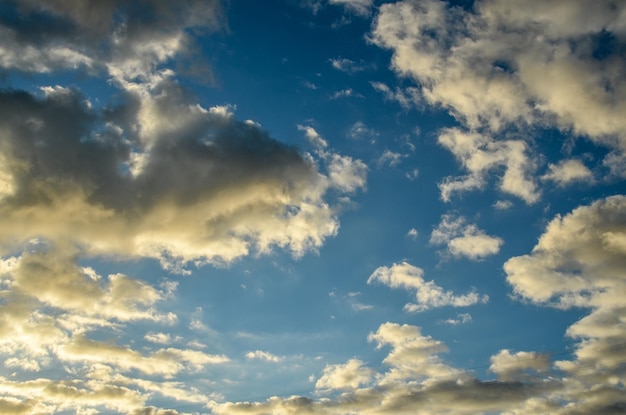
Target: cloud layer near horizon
[{"x": 578, "y": 261}]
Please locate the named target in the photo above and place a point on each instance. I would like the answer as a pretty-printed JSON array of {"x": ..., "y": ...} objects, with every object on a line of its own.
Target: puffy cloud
[
  {"x": 428, "y": 294},
  {"x": 313, "y": 136},
  {"x": 417, "y": 382},
  {"x": 349, "y": 375},
  {"x": 463, "y": 240},
  {"x": 512, "y": 366},
  {"x": 127, "y": 40},
  {"x": 209, "y": 188},
  {"x": 506, "y": 66},
  {"x": 261, "y": 355},
  {"x": 412, "y": 233},
  {"x": 579, "y": 261},
  {"x": 568, "y": 171},
  {"x": 480, "y": 154}
]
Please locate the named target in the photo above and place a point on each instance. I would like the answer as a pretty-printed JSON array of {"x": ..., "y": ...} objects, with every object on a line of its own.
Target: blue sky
[{"x": 312, "y": 207}]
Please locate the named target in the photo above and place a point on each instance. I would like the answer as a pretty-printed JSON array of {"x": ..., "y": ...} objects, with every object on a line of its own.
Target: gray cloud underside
[{"x": 158, "y": 177}]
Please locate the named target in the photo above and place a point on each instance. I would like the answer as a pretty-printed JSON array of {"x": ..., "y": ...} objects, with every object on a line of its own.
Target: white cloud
[
  {"x": 503, "y": 204},
  {"x": 504, "y": 67},
  {"x": 313, "y": 136},
  {"x": 462, "y": 318},
  {"x": 513, "y": 366},
  {"x": 427, "y": 293},
  {"x": 405, "y": 97},
  {"x": 464, "y": 240},
  {"x": 262, "y": 355},
  {"x": 412, "y": 233},
  {"x": 349, "y": 375},
  {"x": 568, "y": 171},
  {"x": 480, "y": 154}
]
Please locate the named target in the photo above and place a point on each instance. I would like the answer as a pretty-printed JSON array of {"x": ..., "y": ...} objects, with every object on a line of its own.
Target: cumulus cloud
[
  {"x": 349, "y": 375},
  {"x": 416, "y": 380},
  {"x": 428, "y": 294},
  {"x": 151, "y": 175},
  {"x": 510, "y": 366},
  {"x": 480, "y": 154},
  {"x": 509, "y": 65},
  {"x": 125, "y": 40},
  {"x": 464, "y": 240},
  {"x": 579, "y": 261},
  {"x": 568, "y": 171},
  {"x": 65, "y": 187}
]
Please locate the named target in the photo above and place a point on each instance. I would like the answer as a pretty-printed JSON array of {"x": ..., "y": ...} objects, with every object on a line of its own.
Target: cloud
[
  {"x": 349, "y": 375},
  {"x": 579, "y": 261},
  {"x": 505, "y": 67},
  {"x": 480, "y": 154},
  {"x": 463, "y": 318},
  {"x": 347, "y": 65},
  {"x": 360, "y": 131},
  {"x": 126, "y": 41},
  {"x": 313, "y": 136},
  {"x": 503, "y": 204},
  {"x": 513, "y": 366},
  {"x": 242, "y": 189},
  {"x": 568, "y": 171},
  {"x": 412, "y": 233},
  {"x": 405, "y": 97},
  {"x": 428, "y": 294},
  {"x": 417, "y": 380},
  {"x": 359, "y": 7},
  {"x": 391, "y": 158},
  {"x": 346, "y": 93},
  {"x": 261, "y": 355},
  {"x": 463, "y": 240}
]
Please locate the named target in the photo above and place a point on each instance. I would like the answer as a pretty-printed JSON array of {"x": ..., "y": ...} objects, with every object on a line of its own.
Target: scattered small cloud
[
  {"x": 503, "y": 204},
  {"x": 265, "y": 356},
  {"x": 464, "y": 240},
  {"x": 313, "y": 136},
  {"x": 390, "y": 158},
  {"x": 346, "y": 93},
  {"x": 462, "y": 318},
  {"x": 427, "y": 294},
  {"x": 567, "y": 172}
]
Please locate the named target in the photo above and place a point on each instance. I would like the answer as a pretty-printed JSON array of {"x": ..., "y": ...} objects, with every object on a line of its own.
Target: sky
[{"x": 312, "y": 207}]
